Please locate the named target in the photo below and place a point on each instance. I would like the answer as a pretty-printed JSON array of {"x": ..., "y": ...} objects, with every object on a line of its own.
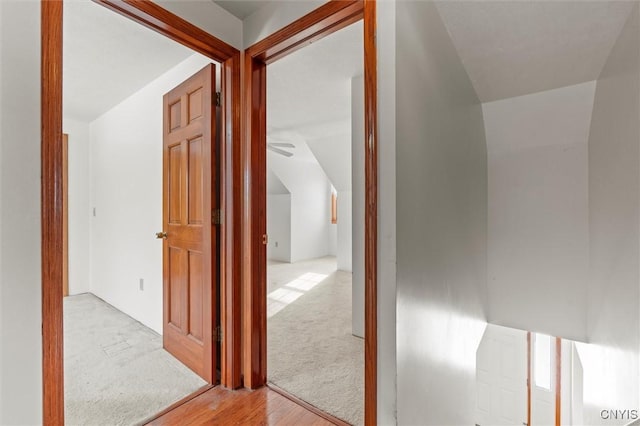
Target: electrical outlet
[
  {"x": 141, "y": 284},
  {"x": 276, "y": 244},
  {"x": 94, "y": 212}
]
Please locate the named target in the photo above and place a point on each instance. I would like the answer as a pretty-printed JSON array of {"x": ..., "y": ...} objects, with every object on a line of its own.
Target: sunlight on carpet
[{"x": 311, "y": 351}]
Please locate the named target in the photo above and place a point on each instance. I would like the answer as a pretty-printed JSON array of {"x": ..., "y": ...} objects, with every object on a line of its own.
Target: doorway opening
[
  {"x": 326, "y": 20},
  {"x": 138, "y": 309},
  {"x": 173, "y": 27},
  {"x": 315, "y": 259}
]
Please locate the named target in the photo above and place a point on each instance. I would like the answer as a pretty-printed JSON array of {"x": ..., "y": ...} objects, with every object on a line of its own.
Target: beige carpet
[
  {"x": 116, "y": 372},
  {"x": 311, "y": 351}
]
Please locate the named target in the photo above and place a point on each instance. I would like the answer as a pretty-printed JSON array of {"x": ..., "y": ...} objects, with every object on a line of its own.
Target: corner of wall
[
  {"x": 1, "y": 204},
  {"x": 387, "y": 293},
  {"x": 611, "y": 360},
  {"x": 20, "y": 246},
  {"x": 210, "y": 17},
  {"x": 273, "y": 16}
]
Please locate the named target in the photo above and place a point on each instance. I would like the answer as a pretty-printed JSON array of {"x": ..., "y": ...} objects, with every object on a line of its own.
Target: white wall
[
  {"x": 567, "y": 388},
  {"x": 310, "y": 204},
  {"x": 79, "y": 205},
  {"x": 441, "y": 223},
  {"x": 538, "y": 243},
  {"x": 334, "y": 156},
  {"x": 20, "y": 270},
  {"x": 279, "y": 227},
  {"x": 333, "y": 239},
  {"x": 126, "y": 191},
  {"x": 387, "y": 367},
  {"x": 1, "y": 286},
  {"x": 344, "y": 250},
  {"x": 357, "y": 205},
  {"x": 610, "y": 361},
  {"x": 577, "y": 387}
]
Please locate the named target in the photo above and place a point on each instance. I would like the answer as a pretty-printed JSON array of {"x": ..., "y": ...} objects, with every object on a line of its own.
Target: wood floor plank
[{"x": 219, "y": 406}]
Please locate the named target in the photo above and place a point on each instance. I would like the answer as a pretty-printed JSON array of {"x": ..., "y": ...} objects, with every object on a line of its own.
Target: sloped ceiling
[
  {"x": 107, "y": 58},
  {"x": 311, "y": 88},
  {"x": 334, "y": 155},
  {"x": 511, "y": 48},
  {"x": 275, "y": 185}
]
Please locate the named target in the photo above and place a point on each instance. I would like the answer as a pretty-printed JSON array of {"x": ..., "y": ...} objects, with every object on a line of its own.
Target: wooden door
[{"x": 189, "y": 249}]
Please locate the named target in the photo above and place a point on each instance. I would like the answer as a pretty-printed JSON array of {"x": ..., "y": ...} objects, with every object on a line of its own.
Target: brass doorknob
[{"x": 161, "y": 235}]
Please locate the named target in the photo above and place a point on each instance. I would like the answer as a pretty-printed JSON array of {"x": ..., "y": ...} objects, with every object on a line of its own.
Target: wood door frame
[
  {"x": 321, "y": 22},
  {"x": 170, "y": 25}
]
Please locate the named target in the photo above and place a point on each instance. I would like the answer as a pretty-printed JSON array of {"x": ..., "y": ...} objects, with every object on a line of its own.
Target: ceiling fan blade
[
  {"x": 282, "y": 144},
  {"x": 279, "y": 151}
]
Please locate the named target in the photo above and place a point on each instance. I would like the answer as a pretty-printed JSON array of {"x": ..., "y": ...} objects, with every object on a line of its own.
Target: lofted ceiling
[
  {"x": 309, "y": 105},
  {"x": 309, "y": 91},
  {"x": 511, "y": 48},
  {"x": 107, "y": 58}
]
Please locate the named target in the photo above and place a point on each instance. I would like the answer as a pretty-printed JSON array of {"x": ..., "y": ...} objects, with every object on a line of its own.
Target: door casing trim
[
  {"x": 151, "y": 15},
  {"x": 321, "y": 22}
]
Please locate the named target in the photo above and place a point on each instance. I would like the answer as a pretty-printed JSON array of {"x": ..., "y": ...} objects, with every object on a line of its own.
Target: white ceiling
[
  {"x": 511, "y": 48},
  {"x": 107, "y": 58},
  {"x": 241, "y": 8},
  {"x": 309, "y": 91}
]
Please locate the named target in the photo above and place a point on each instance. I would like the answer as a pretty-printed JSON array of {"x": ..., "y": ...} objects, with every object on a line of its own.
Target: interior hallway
[{"x": 310, "y": 349}]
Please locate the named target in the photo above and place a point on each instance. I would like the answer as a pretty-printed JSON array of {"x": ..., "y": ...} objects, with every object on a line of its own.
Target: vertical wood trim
[
  {"x": 247, "y": 264},
  {"x": 52, "y": 212},
  {"x": 255, "y": 225},
  {"x": 558, "y": 381},
  {"x": 371, "y": 214},
  {"x": 65, "y": 215},
  {"x": 528, "y": 378},
  {"x": 334, "y": 208},
  {"x": 230, "y": 238}
]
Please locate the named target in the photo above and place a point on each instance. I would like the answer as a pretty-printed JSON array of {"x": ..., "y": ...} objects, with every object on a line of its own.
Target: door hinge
[
  {"x": 216, "y": 217},
  {"x": 218, "y": 99},
  {"x": 217, "y": 334}
]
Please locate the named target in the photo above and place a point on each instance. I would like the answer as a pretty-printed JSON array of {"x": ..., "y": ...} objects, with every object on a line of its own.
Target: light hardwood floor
[{"x": 220, "y": 406}]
